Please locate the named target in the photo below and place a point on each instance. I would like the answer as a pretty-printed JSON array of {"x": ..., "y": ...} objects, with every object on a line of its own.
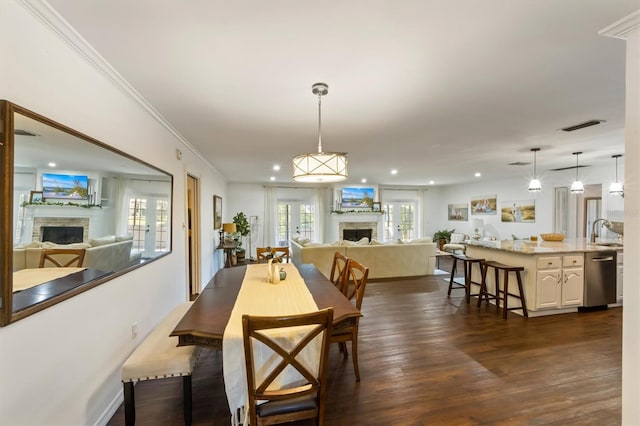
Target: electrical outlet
[{"x": 134, "y": 330}]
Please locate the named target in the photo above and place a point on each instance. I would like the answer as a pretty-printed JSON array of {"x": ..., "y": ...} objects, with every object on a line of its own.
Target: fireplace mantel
[{"x": 37, "y": 215}]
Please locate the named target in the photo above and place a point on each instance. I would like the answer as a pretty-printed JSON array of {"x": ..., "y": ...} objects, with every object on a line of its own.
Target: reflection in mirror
[{"x": 72, "y": 192}]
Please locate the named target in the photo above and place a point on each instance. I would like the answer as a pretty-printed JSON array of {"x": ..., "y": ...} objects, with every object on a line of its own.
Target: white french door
[
  {"x": 399, "y": 221},
  {"x": 148, "y": 219},
  {"x": 295, "y": 218}
]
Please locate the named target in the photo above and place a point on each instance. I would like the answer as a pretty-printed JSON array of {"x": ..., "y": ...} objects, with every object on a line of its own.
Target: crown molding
[
  {"x": 43, "y": 11},
  {"x": 622, "y": 28}
]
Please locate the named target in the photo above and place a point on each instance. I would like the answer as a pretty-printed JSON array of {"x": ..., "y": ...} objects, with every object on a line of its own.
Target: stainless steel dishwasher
[{"x": 600, "y": 272}]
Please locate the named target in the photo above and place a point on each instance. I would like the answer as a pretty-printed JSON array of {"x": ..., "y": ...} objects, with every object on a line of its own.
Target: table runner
[
  {"x": 258, "y": 297},
  {"x": 27, "y": 278}
]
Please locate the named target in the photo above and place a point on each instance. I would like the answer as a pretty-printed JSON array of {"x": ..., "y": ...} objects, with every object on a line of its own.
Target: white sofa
[
  {"x": 383, "y": 260},
  {"x": 108, "y": 254}
]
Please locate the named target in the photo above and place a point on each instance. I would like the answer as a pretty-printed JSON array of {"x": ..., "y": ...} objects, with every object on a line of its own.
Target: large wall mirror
[{"x": 67, "y": 195}]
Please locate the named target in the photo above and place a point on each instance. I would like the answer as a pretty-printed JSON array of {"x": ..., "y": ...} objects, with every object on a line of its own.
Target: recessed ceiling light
[
  {"x": 394, "y": 172},
  {"x": 276, "y": 167},
  {"x": 363, "y": 180},
  {"x": 431, "y": 182},
  {"x": 272, "y": 178},
  {"x": 478, "y": 174},
  {"x": 52, "y": 164}
]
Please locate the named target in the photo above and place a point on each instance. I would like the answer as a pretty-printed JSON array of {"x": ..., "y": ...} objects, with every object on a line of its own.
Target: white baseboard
[{"x": 111, "y": 409}]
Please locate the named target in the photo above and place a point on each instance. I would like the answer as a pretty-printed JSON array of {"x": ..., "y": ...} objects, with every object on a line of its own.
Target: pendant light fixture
[
  {"x": 320, "y": 166},
  {"x": 534, "y": 184},
  {"x": 616, "y": 188},
  {"x": 577, "y": 187}
]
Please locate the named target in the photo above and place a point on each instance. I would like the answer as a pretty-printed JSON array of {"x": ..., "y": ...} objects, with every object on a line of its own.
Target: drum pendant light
[{"x": 320, "y": 166}]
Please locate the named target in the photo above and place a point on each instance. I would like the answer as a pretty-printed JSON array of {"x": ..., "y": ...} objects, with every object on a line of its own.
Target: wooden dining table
[{"x": 205, "y": 322}]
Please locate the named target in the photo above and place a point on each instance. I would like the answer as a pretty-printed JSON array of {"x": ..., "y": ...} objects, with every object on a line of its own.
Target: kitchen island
[{"x": 554, "y": 272}]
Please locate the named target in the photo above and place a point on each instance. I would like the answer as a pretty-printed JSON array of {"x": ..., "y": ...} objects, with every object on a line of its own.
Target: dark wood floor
[{"x": 429, "y": 360}]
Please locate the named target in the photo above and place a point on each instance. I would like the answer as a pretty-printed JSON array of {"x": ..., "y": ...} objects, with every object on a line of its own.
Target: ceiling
[{"x": 437, "y": 89}]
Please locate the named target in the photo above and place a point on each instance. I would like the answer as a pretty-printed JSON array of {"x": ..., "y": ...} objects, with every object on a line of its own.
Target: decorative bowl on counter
[{"x": 552, "y": 237}]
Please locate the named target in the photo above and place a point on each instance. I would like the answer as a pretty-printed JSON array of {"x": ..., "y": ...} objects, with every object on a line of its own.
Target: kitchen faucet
[{"x": 593, "y": 228}]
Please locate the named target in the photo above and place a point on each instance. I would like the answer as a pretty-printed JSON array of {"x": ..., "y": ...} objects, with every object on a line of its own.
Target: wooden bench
[{"x": 157, "y": 357}]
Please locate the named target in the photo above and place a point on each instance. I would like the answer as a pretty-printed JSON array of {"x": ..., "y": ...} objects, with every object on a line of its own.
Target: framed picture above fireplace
[
  {"x": 65, "y": 187},
  {"x": 357, "y": 198}
]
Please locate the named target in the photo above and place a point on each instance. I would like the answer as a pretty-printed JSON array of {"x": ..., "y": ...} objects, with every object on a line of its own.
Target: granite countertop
[{"x": 546, "y": 247}]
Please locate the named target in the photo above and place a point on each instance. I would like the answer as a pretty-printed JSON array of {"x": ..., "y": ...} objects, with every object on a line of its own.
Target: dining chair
[
  {"x": 306, "y": 400},
  {"x": 266, "y": 253},
  {"x": 338, "y": 270},
  {"x": 355, "y": 281},
  {"x": 61, "y": 258}
]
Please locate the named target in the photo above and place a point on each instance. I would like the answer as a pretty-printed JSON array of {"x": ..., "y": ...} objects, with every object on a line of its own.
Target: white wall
[
  {"x": 249, "y": 199},
  {"x": 62, "y": 365}
]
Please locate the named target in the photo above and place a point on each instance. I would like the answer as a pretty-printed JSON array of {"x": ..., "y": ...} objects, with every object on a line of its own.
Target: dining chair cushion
[{"x": 273, "y": 408}]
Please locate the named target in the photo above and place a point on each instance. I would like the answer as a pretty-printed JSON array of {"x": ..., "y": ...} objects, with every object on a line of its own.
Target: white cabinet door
[
  {"x": 548, "y": 288},
  {"x": 572, "y": 286}
]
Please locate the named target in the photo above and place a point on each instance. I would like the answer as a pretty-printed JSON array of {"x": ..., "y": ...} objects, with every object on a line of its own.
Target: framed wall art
[
  {"x": 458, "y": 211},
  {"x": 523, "y": 211},
  {"x": 36, "y": 197},
  {"x": 484, "y": 204},
  {"x": 217, "y": 212}
]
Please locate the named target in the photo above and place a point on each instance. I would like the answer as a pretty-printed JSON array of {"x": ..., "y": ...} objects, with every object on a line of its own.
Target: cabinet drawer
[
  {"x": 576, "y": 260},
  {"x": 548, "y": 262}
]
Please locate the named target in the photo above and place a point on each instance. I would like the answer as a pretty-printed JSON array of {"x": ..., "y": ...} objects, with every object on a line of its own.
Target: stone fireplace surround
[
  {"x": 363, "y": 220},
  {"x": 39, "y": 222},
  {"x": 358, "y": 225}
]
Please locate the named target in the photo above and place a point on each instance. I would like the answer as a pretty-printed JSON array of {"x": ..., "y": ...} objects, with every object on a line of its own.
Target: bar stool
[
  {"x": 502, "y": 293},
  {"x": 468, "y": 262}
]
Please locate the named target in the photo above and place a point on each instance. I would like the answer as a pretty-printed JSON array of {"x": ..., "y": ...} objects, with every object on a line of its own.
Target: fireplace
[
  {"x": 62, "y": 234},
  {"x": 40, "y": 223},
  {"x": 356, "y": 234},
  {"x": 344, "y": 226}
]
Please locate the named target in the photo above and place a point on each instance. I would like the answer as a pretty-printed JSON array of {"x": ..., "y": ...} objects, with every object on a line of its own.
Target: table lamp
[{"x": 229, "y": 228}]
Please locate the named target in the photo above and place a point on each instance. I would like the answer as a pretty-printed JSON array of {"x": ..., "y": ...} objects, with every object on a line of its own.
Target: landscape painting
[
  {"x": 458, "y": 212},
  {"x": 484, "y": 204},
  {"x": 518, "y": 211},
  {"x": 357, "y": 198},
  {"x": 65, "y": 187}
]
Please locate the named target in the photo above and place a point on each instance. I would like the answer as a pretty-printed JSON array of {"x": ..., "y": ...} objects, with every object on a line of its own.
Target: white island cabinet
[{"x": 553, "y": 276}]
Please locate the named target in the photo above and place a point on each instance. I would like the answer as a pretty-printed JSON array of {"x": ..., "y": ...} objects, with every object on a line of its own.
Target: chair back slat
[
  {"x": 355, "y": 282},
  {"x": 279, "y": 254},
  {"x": 62, "y": 258},
  {"x": 339, "y": 270}
]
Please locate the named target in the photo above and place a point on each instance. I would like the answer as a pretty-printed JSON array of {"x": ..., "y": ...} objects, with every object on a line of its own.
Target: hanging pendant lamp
[
  {"x": 616, "y": 188},
  {"x": 320, "y": 166},
  {"x": 534, "y": 184},
  {"x": 577, "y": 187}
]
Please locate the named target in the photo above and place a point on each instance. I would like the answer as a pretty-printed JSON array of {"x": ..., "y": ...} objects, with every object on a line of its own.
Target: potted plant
[
  {"x": 442, "y": 237},
  {"x": 242, "y": 228}
]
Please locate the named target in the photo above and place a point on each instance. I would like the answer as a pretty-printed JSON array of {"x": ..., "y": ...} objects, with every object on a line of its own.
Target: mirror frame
[{"x": 7, "y": 145}]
